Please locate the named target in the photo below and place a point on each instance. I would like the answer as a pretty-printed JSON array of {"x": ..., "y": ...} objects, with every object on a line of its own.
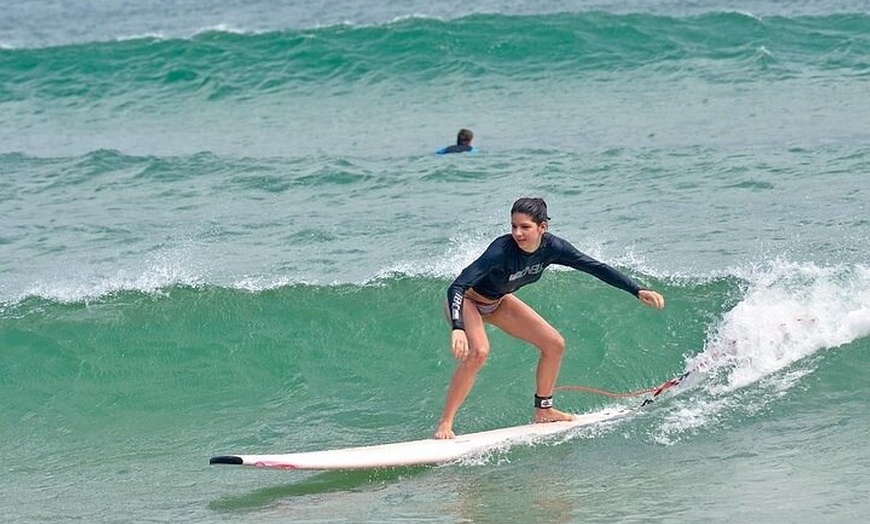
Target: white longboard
[{"x": 417, "y": 452}]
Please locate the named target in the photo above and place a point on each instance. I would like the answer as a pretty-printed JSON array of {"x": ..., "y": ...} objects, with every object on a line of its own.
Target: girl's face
[{"x": 527, "y": 234}]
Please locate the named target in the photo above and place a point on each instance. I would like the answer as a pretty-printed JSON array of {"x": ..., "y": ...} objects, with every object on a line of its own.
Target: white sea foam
[
  {"x": 789, "y": 313},
  {"x": 157, "y": 273}
]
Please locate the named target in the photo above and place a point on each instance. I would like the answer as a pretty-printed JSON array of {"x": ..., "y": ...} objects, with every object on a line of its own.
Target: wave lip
[{"x": 223, "y": 62}]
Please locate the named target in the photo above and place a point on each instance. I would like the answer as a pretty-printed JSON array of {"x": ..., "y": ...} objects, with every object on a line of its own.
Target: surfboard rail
[{"x": 417, "y": 452}]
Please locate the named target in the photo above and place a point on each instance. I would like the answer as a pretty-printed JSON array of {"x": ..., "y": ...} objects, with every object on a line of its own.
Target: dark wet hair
[
  {"x": 534, "y": 207},
  {"x": 464, "y": 137}
]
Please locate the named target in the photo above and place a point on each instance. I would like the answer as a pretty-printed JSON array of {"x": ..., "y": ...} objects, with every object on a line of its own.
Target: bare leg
[
  {"x": 546, "y": 376},
  {"x": 466, "y": 371},
  {"x": 517, "y": 319},
  {"x": 460, "y": 387}
]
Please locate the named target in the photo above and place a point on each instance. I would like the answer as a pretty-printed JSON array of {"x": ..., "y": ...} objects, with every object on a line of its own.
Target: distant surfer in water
[
  {"x": 463, "y": 144},
  {"x": 483, "y": 292}
]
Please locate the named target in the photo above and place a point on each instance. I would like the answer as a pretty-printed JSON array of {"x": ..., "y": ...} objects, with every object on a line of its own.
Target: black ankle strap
[{"x": 543, "y": 402}]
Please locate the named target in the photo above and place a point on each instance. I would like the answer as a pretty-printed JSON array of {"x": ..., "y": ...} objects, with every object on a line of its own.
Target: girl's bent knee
[
  {"x": 477, "y": 357},
  {"x": 554, "y": 346}
]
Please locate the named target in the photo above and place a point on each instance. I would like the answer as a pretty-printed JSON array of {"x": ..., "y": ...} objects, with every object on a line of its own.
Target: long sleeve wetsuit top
[{"x": 504, "y": 268}]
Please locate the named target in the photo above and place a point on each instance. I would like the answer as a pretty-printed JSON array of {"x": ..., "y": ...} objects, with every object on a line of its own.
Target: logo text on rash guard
[
  {"x": 455, "y": 306},
  {"x": 528, "y": 270}
]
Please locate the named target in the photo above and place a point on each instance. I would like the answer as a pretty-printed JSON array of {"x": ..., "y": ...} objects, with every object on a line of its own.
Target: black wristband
[{"x": 543, "y": 402}]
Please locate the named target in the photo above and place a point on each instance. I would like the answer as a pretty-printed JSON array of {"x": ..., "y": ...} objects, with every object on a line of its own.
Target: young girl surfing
[{"x": 483, "y": 292}]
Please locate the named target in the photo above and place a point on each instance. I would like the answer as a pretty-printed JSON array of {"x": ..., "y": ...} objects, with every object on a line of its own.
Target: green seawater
[
  {"x": 222, "y": 238},
  {"x": 130, "y": 394}
]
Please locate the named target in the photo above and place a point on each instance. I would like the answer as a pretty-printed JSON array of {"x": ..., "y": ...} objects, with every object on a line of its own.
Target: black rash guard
[
  {"x": 504, "y": 267},
  {"x": 458, "y": 148}
]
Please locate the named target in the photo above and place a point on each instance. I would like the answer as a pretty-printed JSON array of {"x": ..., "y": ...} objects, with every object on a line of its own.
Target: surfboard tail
[{"x": 226, "y": 459}]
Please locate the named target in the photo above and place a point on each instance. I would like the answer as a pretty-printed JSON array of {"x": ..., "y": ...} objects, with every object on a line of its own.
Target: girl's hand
[
  {"x": 651, "y": 298},
  {"x": 459, "y": 343}
]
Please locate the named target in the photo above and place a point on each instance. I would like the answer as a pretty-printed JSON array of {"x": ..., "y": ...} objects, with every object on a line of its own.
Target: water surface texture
[{"x": 224, "y": 229}]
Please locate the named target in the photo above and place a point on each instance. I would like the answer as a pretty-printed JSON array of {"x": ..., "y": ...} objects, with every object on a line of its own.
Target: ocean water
[{"x": 224, "y": 230}]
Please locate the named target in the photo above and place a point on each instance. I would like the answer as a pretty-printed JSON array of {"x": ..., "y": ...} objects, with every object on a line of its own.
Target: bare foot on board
[
  {"x": 444, "y": 431},
  {"x": 552, "y": 415}
]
